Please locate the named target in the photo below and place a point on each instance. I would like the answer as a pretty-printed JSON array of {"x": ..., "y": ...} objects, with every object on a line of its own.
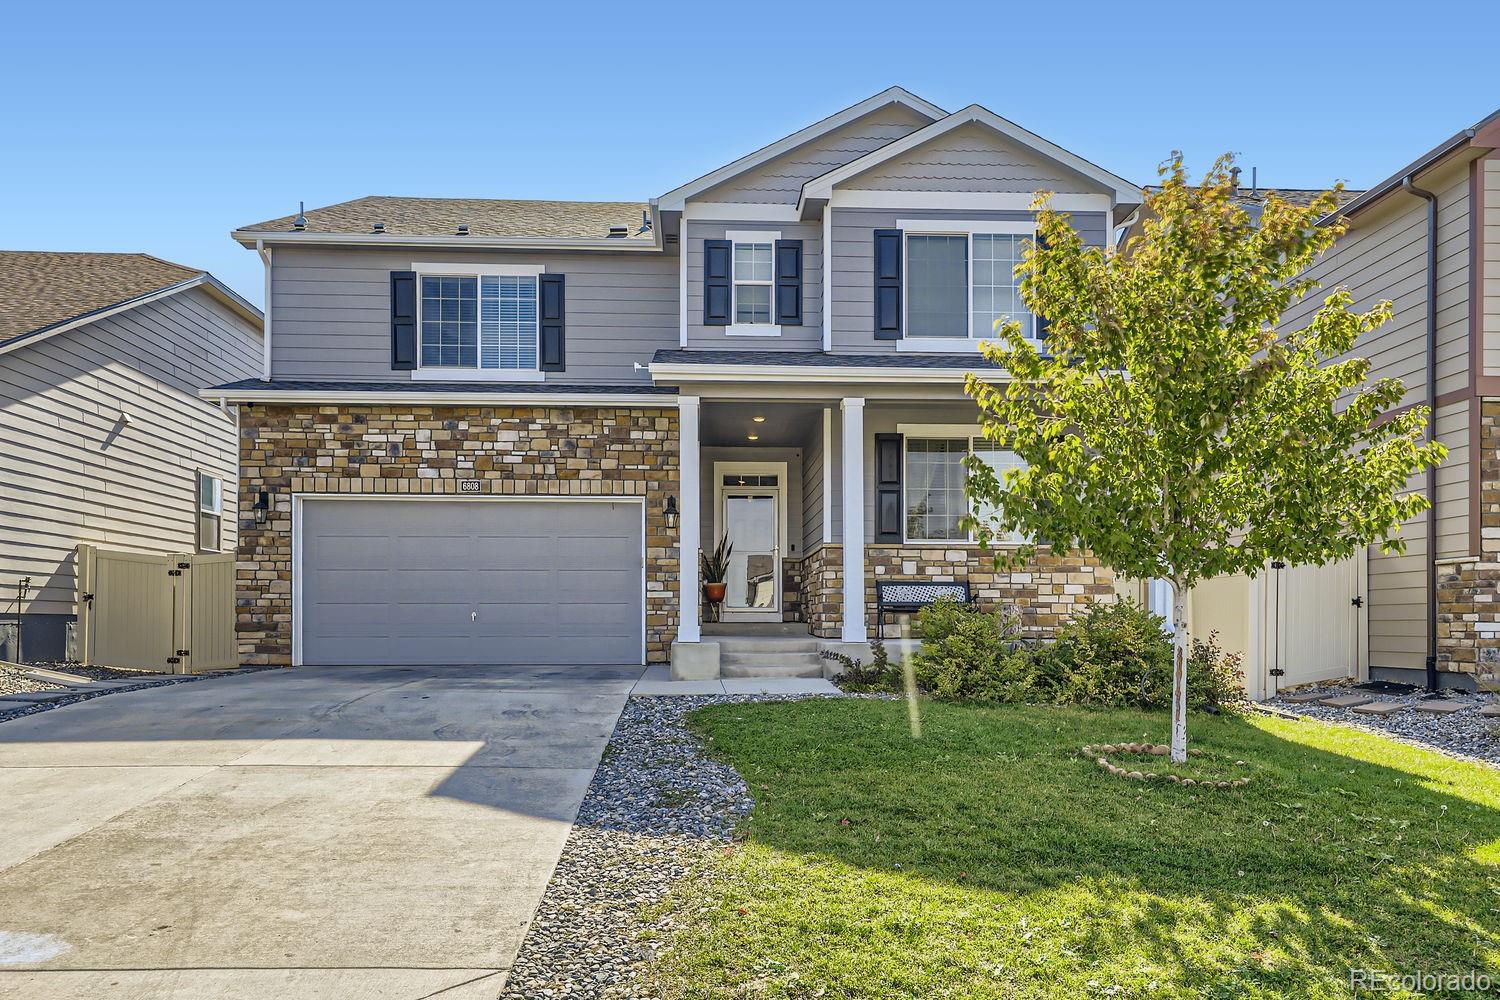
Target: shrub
[
  {"x": 971, "y": 655},
  {"x": 880, "y": 675},
  {"x": 1114, "y": 655},
  {"x": 1216, "y": 679}
]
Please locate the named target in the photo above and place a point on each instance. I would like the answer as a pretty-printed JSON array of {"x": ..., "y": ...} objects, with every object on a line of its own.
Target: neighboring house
[
  {"x": 502, "y": 431},
  {"x": 106, "y": 440}
]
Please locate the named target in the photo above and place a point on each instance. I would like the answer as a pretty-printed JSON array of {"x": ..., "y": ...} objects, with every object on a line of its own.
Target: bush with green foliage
[
  {"x": 880, "y": 675},
  {"x": 1112, "y": 655}
]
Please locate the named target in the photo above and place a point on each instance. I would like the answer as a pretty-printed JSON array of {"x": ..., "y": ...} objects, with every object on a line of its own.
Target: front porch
[{"x": 822, "y": 497}]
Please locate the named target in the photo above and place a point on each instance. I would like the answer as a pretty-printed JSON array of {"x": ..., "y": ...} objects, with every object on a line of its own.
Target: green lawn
[{"x": 988, "y": 859}]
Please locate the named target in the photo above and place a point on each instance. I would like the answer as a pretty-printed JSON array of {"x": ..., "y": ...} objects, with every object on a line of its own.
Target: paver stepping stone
[
  {"x": 1381, "y": 708},
  {"x": 1302, "y": 697},
  {"x": 1490, "y": 711},
  {"x": 1345, "y": 701},
  {"x": 1441, "y": 706}
]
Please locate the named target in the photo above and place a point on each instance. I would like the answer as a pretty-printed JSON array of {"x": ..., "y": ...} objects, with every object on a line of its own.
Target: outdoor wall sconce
[
  {"x": 262, "y": 507},
  {"x": 671, "y": 512}
]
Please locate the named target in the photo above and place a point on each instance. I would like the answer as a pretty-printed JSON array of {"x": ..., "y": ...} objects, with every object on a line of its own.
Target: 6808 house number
[{"x": 471, "y": 486}]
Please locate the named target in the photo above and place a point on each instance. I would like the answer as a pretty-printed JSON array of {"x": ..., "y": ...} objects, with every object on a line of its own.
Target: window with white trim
[
  {"x": 935, "y": 482},
  {"x": 753, "y": 258},
  {"x": 959, "y": 283},
  {"x": 210, "y": 513},
  {"x": 478, "y": 321}
]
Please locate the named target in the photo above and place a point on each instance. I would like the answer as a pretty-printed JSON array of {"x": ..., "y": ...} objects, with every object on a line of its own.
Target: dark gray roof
[
  {"x": 820, "y": 359},
  {"x": 1295, "y": 196},
  {"x": 457, "y": 388},
  {"x": 484, "y": 216},
  {"x": 41, "y": 289}
]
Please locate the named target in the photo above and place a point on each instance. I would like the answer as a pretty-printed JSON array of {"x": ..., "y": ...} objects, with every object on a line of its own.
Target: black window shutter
[
  {"x": 887, "y": 284},
  {"x": 552, "y": 315},
  {"x": 718, "y": 293},
  {"x": 789, "y": 282},
  {"x": 403, "y": 320},
  {"x": 888, "y": 513},
  {"x": 1040, "y": 323}
]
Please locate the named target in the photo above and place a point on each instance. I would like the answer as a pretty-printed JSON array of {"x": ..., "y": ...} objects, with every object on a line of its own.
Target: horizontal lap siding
[
  {"x": 70, "y": 472},
  {"x": 331, "y": 311},
  {"x": 852, "y": 296},
  {"x": 1490, "y": 177},
  {"x": 971, "y": 158},
  {"x": 779, "y": 181},
  {"x": 812, "y": 487},
  {"x": 1384, "y": 257},
  {"x": 807, "y": 337}
]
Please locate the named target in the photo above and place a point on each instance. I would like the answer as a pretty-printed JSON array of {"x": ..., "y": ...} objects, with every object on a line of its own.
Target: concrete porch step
[
  {"x": 766, "y": 644},
  {"x": 761, "y": 629},
  {"x": 769, "y": 665}
]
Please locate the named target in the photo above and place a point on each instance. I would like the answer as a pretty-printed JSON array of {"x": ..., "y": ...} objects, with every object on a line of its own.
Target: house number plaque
[{"x": 471, "y": 486}]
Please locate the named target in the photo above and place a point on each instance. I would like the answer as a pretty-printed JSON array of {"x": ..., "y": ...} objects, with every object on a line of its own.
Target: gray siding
[
  {"x": 1384, "y": 257},
  {"x": 330, "y": 310},
  {"x": 972, "y": 158},
  {"x": 1490, "y": 167},
  {"x": 779, "y": 181},
  {"x": 71, "y": 472},
  {"x": 852, "y": 295},
  {"x": 807, "y": 337},
  {"x": 813, "y": 459}
]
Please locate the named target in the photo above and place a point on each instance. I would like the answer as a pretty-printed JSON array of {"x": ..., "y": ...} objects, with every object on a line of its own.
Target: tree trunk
[{"x": 1179, "y": 672}]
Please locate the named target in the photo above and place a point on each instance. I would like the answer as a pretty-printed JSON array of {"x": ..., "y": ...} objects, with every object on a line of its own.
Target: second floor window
[
  {"x": 959, "y": 284},
  {"x": 479, "y": 321}
]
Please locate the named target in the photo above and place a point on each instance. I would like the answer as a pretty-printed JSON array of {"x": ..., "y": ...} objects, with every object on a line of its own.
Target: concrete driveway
[{"x": 330, "y": 832}]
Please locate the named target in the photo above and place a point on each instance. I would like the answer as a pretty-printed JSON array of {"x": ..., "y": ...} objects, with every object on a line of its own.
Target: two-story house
[{"x": 502, "y": 431}]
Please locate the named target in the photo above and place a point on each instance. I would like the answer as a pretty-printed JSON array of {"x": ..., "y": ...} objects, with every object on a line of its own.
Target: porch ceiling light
[
  {"x": 754, "y": 437},
  {"x": 759, "y": 420}
]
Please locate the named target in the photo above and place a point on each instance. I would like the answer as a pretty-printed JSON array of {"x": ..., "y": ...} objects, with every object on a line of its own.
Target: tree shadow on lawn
[{"x": 1346, "y": 851}]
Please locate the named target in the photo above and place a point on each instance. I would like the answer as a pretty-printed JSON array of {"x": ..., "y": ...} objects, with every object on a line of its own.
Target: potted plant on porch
[{"x": 716, "y": 575}]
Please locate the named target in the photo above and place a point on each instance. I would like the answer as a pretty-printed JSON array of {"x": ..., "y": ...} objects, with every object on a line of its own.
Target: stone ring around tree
[{"x": 1102, "y": 752}]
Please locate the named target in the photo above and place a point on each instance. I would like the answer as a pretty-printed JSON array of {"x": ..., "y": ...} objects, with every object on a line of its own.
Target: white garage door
[{"x": 438, "y": 581}]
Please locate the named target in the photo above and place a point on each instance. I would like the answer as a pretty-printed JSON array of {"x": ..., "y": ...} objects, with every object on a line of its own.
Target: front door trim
[{"x": 779, "y": 470}]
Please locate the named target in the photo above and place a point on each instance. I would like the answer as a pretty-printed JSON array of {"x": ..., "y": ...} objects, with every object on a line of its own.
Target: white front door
[{"x": 751, "y": 515}]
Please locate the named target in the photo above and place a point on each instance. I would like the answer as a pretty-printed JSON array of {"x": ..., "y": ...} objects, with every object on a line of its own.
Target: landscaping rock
[
  {"x": 1302, "y": 697},
  {"x": 1470, "y": 733},
  {"x": 1380, "y": 708}
]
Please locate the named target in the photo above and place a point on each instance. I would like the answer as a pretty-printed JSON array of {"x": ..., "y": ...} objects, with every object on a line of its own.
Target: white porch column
[
  {"x": 853, "y": 456},
  {"x": 688, "y": 520}
]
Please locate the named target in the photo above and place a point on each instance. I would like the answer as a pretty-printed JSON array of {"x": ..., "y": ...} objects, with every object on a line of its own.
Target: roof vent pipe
[
  {"x": 300, "y": 222},
  {"x": 1234, "y": 180},
  {"x": 618, "y": 232},
  {"x": 379, "y": 227},
  {"x": 645, "y": 222},
  {"x": 1432, "y": 601}
]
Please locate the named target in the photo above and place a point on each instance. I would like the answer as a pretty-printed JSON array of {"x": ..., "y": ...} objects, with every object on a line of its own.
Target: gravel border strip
[
  {"x": 23, "y": 709},
  {"x": 1464, "y": 735},
  {"x": 657, "y": 810}
]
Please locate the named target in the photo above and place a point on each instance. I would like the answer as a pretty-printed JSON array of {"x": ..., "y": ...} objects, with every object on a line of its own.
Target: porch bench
[{"x": 911, "y": 596}]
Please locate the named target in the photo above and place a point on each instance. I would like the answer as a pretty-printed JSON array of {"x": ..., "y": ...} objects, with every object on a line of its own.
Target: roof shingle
[
  {"x": 483, "y": 216},
  {"x": 41, "y": 289}
]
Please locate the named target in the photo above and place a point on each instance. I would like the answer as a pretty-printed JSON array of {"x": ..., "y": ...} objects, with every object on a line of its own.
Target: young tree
[{"x": 1172, "y": 428}]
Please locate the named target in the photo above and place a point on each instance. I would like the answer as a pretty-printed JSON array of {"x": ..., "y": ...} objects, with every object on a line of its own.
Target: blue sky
[{"x": 160, "y": 127}]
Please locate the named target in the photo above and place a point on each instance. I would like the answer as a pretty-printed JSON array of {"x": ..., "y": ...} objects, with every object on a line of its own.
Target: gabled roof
[
  {"x": 820, "y": 189},
  {"x": 485, "y": 217},
  {"x": 45, "y": 292},
  {"x": 674, "y": 200}
]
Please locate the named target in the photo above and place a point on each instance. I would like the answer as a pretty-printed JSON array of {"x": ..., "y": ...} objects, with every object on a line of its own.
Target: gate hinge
[
  {"x": 89, "y": 598},
  {"x": 174, "y": 572},
  {"x": 1277, "y": 672},
  {"x": 184, "y": 565},
  {"x": 1278, "y": 564},
  {"x": 172, "y": 661},
  {"x": 183, "y": 652},
  {"x": 1358, "y": 602}
]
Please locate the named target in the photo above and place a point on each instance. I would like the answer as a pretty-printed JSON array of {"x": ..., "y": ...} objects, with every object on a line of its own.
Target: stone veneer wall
[
  {"x": 517, "y": 451},
  {"x": 1045, "y": 593},
  {"x": 1468, "y": 590}
]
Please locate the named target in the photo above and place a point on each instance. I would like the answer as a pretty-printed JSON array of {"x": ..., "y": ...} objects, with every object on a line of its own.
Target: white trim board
[
  {"x": 299, "y": 500},
  {"x": 613, "y": 399},
  {"x": 812, "y": 373}
]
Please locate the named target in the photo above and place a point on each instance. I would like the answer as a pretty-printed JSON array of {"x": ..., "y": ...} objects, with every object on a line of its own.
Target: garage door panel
[{"x": 445, "y": 581}]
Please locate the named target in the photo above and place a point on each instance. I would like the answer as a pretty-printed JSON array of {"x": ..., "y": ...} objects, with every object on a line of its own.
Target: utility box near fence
[{"x": 173, "y": 613}]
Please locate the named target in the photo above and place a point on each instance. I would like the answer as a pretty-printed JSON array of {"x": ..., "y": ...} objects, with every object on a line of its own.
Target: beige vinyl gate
[{"x": 169, "y": 613}]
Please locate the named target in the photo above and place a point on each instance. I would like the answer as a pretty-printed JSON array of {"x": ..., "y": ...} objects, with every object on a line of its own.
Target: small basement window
[{"x": 210, "y": 513}]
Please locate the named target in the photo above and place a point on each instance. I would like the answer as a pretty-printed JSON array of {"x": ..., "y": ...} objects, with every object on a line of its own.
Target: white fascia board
[
  {"x": 673, "y": 373},
  {"x": 205, "y": 280},
  {"x": 361, "y": 397},
  {"x": 822, "y": 186},
  {"x": 676, "y": 199},
  {"x": 249, "y": 239}
]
